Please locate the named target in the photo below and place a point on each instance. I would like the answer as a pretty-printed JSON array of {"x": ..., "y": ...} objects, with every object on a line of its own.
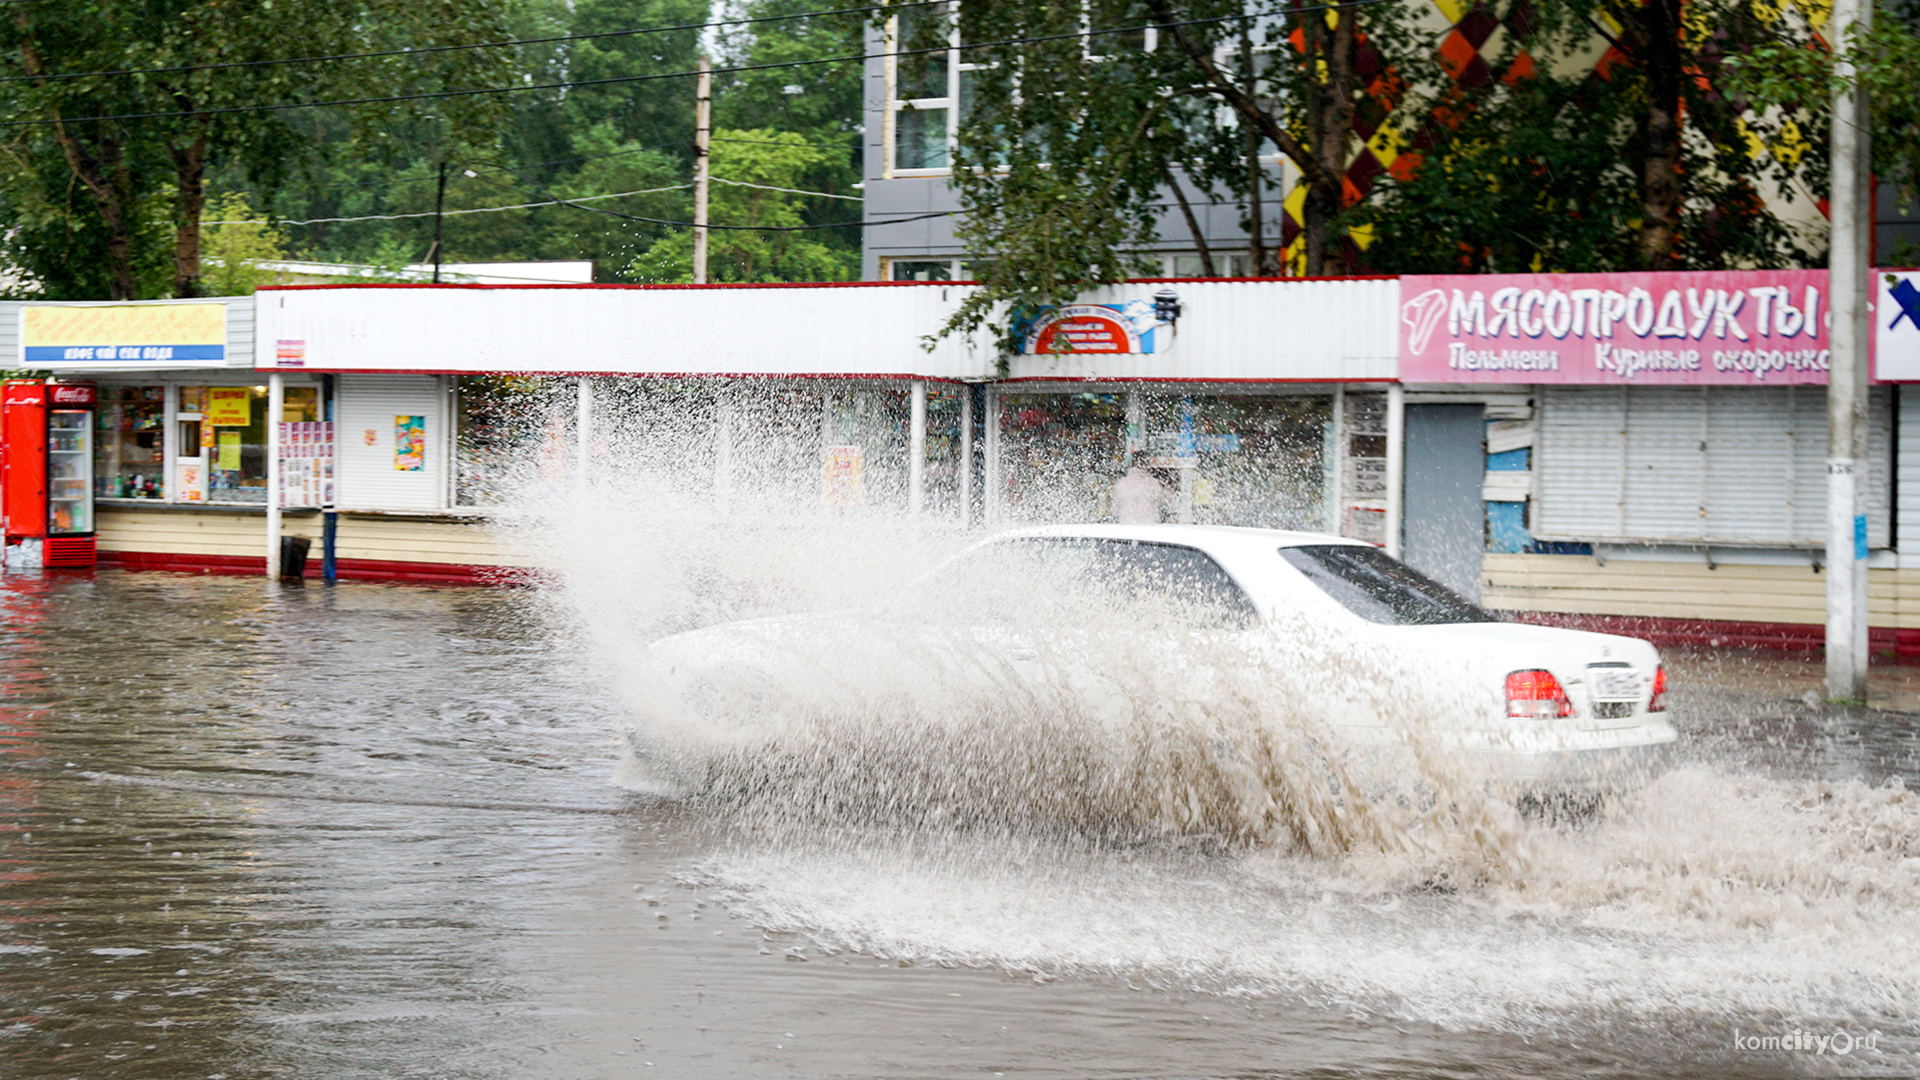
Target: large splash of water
[{"x": 1159, "y": 808}]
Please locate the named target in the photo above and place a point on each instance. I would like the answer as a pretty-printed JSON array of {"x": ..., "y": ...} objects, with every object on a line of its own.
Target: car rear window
[{"x": 1381, "y": 589}]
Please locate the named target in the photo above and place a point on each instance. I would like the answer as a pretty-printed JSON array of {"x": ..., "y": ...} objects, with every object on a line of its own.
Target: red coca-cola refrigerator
[{"x": 46, "y": 473}]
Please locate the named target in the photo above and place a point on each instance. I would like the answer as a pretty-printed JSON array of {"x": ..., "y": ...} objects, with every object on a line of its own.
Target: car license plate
[{"x": 1613, "y": 684}]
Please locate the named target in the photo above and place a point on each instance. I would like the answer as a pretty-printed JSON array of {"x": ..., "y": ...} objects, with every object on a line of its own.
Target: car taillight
[
  {"x": 1658, "y": 703},
  {"x": 1536, "y": 694}
]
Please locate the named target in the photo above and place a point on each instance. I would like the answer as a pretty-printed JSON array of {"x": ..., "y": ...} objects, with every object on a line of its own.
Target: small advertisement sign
[
  {"x": 187, "y": 334},
  {"x": 229, "y": 406},
  {"x": 844, "y": 486},
  {"x": 1089, "y": 328},
  {"x": 1896, "y": 325},
  {"x": 1745, "y": 328},
  {"x": 409, "y": 443}
]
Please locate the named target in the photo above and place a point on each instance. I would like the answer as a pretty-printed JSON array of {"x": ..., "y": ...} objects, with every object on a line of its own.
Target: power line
[
  {"x": 449, "y": 213},
  {"x": 427, "y": 49},
  {"x": 788, "y": 190},
  {"x": 622, "y": 79},
  {"x": 545, "y": 202},
  {"x": 785, "y": 142},
  {"x": 764, "y": 228}
]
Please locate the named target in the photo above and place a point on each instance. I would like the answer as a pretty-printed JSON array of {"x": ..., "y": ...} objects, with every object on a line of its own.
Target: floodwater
[{"x": 249, "y": 830}]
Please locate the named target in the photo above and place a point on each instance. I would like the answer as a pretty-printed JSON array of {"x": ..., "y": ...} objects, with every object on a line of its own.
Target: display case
[
  {"x": 69, "y": 472},
  {"x": 131, "y": 457}
]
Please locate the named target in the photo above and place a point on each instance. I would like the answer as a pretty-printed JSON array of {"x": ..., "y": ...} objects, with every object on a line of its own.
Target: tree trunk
[
  {"x": 1318, "y": 218},
  {"x": 1332, "y": 135},
  {"x": 1256, "y": 232},
  {"x": 1653, "y": 35},
  {"x": 102, "y": 169},
  {"x": 190, "y": 175}
]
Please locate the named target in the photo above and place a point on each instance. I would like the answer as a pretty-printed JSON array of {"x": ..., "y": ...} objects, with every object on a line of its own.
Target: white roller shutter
[
  {"x": 1700, "y": 465},
  {"x": 1579, "y": 463},
  {"x": 368, "y": 410}
]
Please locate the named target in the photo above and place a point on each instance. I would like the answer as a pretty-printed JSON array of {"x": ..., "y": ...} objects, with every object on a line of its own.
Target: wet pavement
[{"x": 371, "y": 831}]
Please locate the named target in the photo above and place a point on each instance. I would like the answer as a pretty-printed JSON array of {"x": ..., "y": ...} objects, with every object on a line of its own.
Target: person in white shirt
[{"x": 1139, "y": 498}]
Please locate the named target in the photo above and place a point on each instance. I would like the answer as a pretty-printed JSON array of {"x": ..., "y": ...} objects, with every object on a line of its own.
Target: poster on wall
[
  {"x": 190, "y": 480},
  {"x": 227, "y": 453},
  {"x": 845, "y": 484},
  {"x": 229, "y": 406},
  {"x": 306, "y": 463},
  {"x": 1694, "y": 328},
  {"x": 409, "y": 443}
]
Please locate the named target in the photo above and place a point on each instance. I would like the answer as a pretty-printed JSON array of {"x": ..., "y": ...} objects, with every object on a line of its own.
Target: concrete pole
[
  {"x": 966, "y": 456},
  {"x": 702, "y": 122},
  {"x": 1850, "y": 218},
  {"x": 917, "y": 451},
  {"x": 1337, "y": 468},
  {"x": 276, "y": 410},
  {"x": 583, "y": 425},
  {"x": 1396, "y": 466},
  {"x": 723, "y": 453},
  {"x": 994, "y": 499}
]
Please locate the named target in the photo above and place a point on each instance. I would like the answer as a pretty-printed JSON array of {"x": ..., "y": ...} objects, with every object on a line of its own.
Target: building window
[{"x": 929, "y": 90}]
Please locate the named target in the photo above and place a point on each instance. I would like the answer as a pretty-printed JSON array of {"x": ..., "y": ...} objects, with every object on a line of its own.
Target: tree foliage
[
  {"x": 759, "y": 162},
  {"x": 1647, "y": 159},
  {"x": 1078, "y": 115},
  {"x": 114, "y": 209},
  {"x": 121, "y": 99}
]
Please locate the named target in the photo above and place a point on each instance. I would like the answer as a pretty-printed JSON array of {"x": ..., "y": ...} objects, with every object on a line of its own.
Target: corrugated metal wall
[
  {"x": 1301, "y": 330},
  {"x": 1307, "y": 330},
  {"x": 365, "y": 415},
  {"x": 1696, "y": 464}
]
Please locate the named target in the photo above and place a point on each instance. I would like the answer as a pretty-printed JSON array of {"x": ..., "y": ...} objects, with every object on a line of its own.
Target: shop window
[
  {"x": 229, "y": 425},
  {"x": 1254, "y": 460},
  {"x": 1231, "y": 460},
  {"x": 1061, "y": 454},
  {"x": 506, "y": 424},
  {"x": 130, "y": 455}
]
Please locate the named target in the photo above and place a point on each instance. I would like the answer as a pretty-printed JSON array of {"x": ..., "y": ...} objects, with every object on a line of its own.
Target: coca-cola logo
[{"x": 71, "y": 395}]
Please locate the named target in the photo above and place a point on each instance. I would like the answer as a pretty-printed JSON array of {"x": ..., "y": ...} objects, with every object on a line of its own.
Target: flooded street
[{"x": 370, "y": 831}]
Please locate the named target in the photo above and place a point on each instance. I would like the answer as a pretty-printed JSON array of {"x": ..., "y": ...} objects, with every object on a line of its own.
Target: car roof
[{"x": 1214, "y": 539}]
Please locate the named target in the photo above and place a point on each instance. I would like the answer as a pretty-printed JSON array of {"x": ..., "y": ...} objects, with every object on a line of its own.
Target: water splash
[{"x": 1180, "y": 817}]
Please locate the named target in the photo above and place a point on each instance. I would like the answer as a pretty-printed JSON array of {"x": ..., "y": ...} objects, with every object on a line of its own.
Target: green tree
[
  {"x": 234, "y": 244},
  {"x": 172, "y": 70},
  {"x": 1646, "y": 160},
  {"x": 758, "y": 162},
  {"x": 1071, "y": 132},
  {"x": 1801, "y": 80}
]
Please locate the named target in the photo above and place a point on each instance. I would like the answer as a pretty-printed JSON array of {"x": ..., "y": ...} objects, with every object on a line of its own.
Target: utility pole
[
  {"x": 702, "y": 121},
  {"x": 439, "y": 205},
  {"x": 1850, "y": 220}
]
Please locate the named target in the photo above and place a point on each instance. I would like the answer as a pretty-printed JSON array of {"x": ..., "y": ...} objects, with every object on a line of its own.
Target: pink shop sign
[{"x": 1736, "y": 327}]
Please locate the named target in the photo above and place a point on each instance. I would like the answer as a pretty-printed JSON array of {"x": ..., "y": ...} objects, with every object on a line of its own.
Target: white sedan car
[{"x": 1117, "y": 634}]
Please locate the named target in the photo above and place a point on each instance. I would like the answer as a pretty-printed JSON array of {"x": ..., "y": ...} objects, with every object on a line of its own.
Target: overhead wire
[
  {"x": 440, "y": 95},
  {"x": 553, "y": 201}
]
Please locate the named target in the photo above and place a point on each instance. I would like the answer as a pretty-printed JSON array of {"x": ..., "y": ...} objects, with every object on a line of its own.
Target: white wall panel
[
  {"x": 365, "y": 411},
  {"x": 1301, "y": 330}
]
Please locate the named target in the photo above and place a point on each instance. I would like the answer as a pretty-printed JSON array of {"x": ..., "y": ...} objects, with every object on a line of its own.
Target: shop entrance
[{"x": 1446, "y": 519}]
